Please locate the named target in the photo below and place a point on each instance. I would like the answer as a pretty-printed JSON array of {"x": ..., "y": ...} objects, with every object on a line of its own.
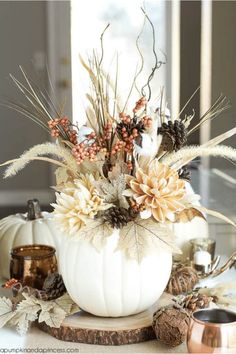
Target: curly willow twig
[
  {"x": 101, "y": 41},
  {"x": 158, "y": 63}
]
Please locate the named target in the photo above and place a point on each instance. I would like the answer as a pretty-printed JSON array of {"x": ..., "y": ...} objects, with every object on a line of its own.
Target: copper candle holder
[
  {"x": 31, "y": 264},
  {"x": 212, "y": 331}
]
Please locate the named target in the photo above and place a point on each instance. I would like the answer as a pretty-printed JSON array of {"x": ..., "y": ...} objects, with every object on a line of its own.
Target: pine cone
[
  {"x": 174, "y": 135},
  {"x": 184, "y": 173},
  {"x": 129, "y": 128},
  {"x": 182, "y": 280},
  {"x": 170, "y": 325},
  {"x": 118, "y": 217},
  {"x": 195, "y": 301},
  {"x": 53, "y": 286}
]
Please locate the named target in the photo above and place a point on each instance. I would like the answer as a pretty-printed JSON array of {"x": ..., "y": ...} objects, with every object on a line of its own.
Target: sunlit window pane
[{"x": 88, "y": 20}]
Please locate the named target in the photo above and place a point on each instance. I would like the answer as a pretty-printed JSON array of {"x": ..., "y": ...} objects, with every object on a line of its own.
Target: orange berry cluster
[
  {"x": 129, "y": 129},
  {"x": 62, "y": 124},
  {"x": 125, "y": 118},
  {"x": 73, "y": 136},
  {"x": 136, "y": 207},
  {"x": 107, "y": 131},
  {"x": 129, "y": 165},
  {"x": 87, "y": 149},
  {"x": 9, "y": 284},
  {"x": 117, "y": 147},
  {"x": 55, "y": 123},
  {"x": 140, "y": 104}
]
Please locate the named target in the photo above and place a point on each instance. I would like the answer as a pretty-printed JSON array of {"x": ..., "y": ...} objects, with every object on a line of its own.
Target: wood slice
[{"x": 86, "y": 328}]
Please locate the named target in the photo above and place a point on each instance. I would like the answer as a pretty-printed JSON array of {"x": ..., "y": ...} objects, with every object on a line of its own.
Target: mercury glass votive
[
  {"x": 203, "y": 248},
  {"x": 31, "y": 264}
]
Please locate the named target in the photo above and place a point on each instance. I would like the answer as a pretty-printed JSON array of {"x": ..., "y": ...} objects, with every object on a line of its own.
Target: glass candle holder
[
  {"x": 202, "y": 249},
  {"x": 31, "y": 264}
]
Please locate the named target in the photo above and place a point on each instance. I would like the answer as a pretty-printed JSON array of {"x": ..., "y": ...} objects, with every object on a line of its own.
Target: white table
[{"x": 37, "y": 339}]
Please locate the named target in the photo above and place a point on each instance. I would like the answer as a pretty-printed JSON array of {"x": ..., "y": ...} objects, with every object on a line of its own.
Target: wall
[
  {"x": 224, "y": 66},
  {"x": 22, "y": 39},
  {"x": 190, "y": 59}
]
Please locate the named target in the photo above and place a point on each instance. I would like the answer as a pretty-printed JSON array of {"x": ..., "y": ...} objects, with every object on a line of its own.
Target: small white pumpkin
[
  {"x": 109, "y": 284},
  {"x": 34, "y": 227}
]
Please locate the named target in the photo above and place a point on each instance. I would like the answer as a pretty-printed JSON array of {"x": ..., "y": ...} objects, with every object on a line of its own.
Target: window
[{"x": 89, "y": 19}]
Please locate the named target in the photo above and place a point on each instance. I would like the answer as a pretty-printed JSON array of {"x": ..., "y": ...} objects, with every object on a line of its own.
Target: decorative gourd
[
  {"x": 34, "y": 227},
  {"x": 109, "y": 284}
]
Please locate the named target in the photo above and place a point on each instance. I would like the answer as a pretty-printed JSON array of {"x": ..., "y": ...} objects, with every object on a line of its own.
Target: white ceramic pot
[
  {"x": 16, "y": 230},
  {"x": 107, "y": 283}
]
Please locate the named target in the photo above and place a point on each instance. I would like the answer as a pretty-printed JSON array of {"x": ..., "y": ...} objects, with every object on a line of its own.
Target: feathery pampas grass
[
  {"x": 180, "y": 158},
  {"x": 41, "y": 150}
]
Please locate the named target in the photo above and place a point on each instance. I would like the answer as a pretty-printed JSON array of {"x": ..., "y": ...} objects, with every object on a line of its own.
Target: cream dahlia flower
[
  {"x": 158, "y": 189},
  {"x": 76, "y": 204}
]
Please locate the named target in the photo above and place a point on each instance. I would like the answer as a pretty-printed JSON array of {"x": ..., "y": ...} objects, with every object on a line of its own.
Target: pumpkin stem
[{"x": 34, "y": 210}]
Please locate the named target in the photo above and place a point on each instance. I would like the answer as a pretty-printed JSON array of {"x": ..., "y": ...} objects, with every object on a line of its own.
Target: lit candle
[{"x": 202, "y": 258}]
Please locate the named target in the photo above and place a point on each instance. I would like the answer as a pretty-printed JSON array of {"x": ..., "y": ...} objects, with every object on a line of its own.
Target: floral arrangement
[{"x": 126, "y": 168}]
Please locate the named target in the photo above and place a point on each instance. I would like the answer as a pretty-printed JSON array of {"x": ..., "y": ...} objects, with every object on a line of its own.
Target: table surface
[
  {"x": 226, "y": 244},
  {"x": 35, "y": 338}
]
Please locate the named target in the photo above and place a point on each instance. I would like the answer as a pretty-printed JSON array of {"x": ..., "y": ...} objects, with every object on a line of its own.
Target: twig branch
[
  {"x": 101, "y": 40},
  {"x": 157, "y": 62}
]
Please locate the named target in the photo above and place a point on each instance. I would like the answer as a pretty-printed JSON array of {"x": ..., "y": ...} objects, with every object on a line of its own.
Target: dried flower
[
  {"x": 78, "y": 203},
  {"x": 159, "y": 189}
]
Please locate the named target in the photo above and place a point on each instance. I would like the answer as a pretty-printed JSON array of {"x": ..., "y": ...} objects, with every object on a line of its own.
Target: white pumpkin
[
  {"x": 184, "y": 232},
  {"x": 109, "y": 284},
  {"x": 17, "y": 230}
]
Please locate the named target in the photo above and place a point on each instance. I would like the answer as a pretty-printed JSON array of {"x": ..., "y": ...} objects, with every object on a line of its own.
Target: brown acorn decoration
[
  {"x": 182, "y": 280},
  {"x": 170, "y": 325}
]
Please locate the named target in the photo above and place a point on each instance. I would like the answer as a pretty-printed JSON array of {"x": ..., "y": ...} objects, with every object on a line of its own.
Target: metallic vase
[
  {"x": 212, "y": 331},
  {"x": 31, "y": 264}
]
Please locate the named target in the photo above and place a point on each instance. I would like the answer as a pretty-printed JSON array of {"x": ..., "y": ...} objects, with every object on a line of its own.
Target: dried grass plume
[{"x": 61, "y": 153}]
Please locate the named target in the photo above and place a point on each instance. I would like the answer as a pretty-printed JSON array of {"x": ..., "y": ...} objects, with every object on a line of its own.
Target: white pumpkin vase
[
  {"x": 34, "y": 227},
  {"x": 108, "y": 283}
]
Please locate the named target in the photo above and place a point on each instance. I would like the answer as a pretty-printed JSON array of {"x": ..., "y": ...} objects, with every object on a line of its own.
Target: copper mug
[
  {"x": 212, "y": 331},
  {"x": 31, "y": 264}
]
